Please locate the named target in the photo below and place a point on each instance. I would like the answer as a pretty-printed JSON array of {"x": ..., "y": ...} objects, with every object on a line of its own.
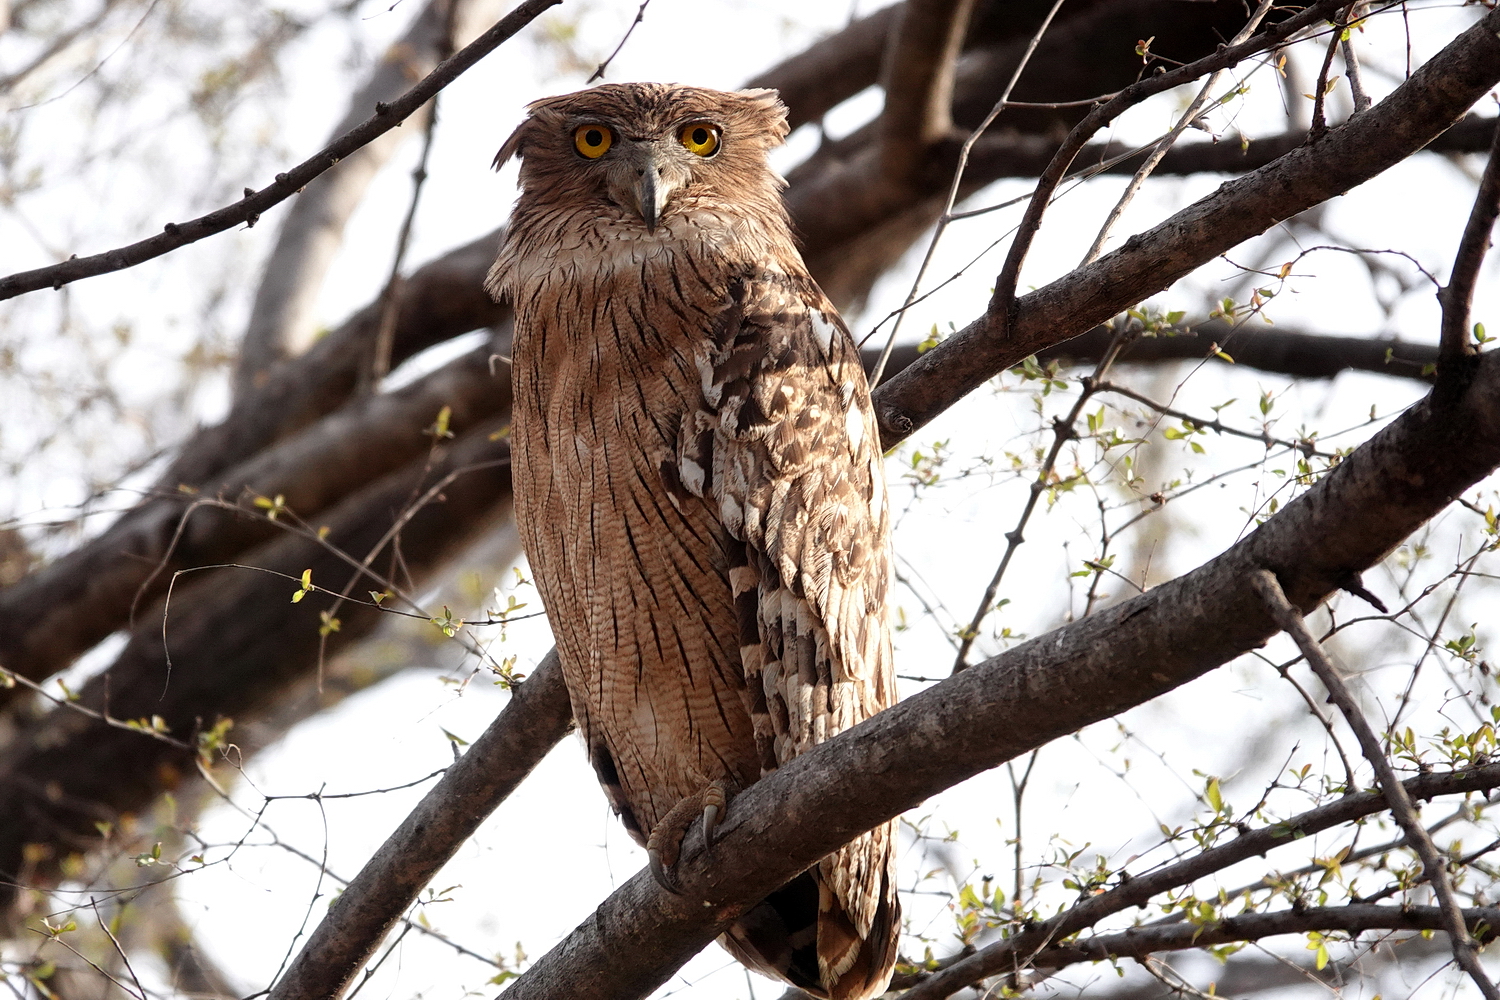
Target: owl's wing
[{"x": 788, "y": 449}]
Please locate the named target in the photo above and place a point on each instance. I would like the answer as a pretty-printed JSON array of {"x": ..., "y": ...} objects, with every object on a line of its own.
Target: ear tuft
[
  {"x": 511, "y": 146},
  {"x": 768, "y": 102}
]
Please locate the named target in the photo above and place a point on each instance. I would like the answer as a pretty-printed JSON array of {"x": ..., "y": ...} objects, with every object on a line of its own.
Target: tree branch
[
  {"x": 236, "y": 643},
  {"x": 1138, "y": 942},
  {"x": 1007, "y": 955},
  {"x": 1002, "y": 301},
  {"x": 537, "y": 716},
  {"x": 918, "y": 82},
  {"x": 56, "y": 613},
  {"x": 1053, "y": 685},
  {"x": 1434, "y": 865},
  {"x": 1457, "y": 296},
  {"x": 250, "y": 208},
  {"x": 69, "y": 604},
  {"x": 1436, "y": 95},
  {"x": 281, "y": 317}
]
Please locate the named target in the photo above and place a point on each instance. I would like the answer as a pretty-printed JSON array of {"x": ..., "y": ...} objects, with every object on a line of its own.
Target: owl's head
[{"x": 641, "y": 149}]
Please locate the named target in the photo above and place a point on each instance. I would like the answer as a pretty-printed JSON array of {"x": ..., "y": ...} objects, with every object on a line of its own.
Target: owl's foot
[{"x": 664, "y": 846}]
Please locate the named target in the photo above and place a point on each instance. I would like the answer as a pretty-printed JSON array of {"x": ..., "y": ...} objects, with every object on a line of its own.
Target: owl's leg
[{"x": 664, "y": 846}]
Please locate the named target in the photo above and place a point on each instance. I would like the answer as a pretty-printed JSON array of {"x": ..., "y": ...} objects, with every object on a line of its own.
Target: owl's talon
[
  {"x": 665, "y": 843},
  {"x": 659, "y": 871},
  {"x": 715, "y": 797}
]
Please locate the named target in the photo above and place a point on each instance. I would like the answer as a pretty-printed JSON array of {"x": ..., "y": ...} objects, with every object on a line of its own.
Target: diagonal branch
[
  {"x": 1138, "y": 942},
  {"x": 1005, "y": 956},
  {"x": 534, "y": 720},
  {"x": 282, "y": 315},
  {"x": 250, "y": 208},
  {"x": 1002, "y": 302},
  {"x": 1434, "y": 866},
  {"x": 1435, "y": 96},
  {"x": 1456, "y": 296},
  {"x": 1046, "y": 688}
]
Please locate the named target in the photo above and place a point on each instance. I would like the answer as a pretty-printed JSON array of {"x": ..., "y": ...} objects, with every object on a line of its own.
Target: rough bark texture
[
  {"x": 1046, "y": 688},
  {"x": 236, "y": 644},
  {"x": 1437, "y": 95}
]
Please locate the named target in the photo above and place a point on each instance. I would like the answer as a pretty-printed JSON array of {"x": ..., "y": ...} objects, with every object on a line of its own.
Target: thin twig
[
  {"x": 1137, "y": 889},
  {"x": 640, "y": 15},
  {"x": 7, "y": 678},
  {"x": 1002, "y": 301},
  {"x": 1465, "y": 951},
  {"x": 1320, "y": 89},
  {"x": 1351, "y": 60},
  {"x": 395, "y": 286},
  {"x": 1303, "y": 447},
  {"x": 953, "y": 188},
  {"x": 115, "y": 941},
  {"x": 1189, "y": 117},
  {"x": 385, "y": 118},
  {"x": 1062, "y": 432}
]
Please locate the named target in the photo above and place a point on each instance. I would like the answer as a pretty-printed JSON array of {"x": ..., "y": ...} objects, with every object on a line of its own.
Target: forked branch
[{"x": 1434, "y": 866}]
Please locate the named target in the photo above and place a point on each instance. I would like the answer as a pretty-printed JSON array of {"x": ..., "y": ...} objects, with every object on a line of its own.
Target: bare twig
[
  {"x": 1189, "y": 117},
  {"x": 386, "y": 117},
  {"x": 640, "y": 15},
  {"x": 535, "y": 719},
  {"x": 1063, "y": 431},
  {"x": 956, "y": 184},
  {"x": 1002, "y": 302},
  {"x": 395, "y": 287},
  {"x": 1320, "y": 89},
  {"x": 1415, "y": 113},
  {"x": 1351, "y": 59},
  {"x": 1268, "y": 588},
  {"x": 1303, "y": 446},
  {"x": 1137, "y": 889}
]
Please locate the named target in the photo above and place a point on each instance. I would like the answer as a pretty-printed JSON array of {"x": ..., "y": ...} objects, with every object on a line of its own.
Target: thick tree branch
[
  {"x": 57, "y": 612},
  {"x": 833, "y": 70},
  {"x": 532, "y": 722},
  {"x": 250, "y": 208},
  {"x": 1434, "y": 865},
  {"x": 236, "y": 643},
  {"x": 1002, "y": 301},
  {"x": 1457, "y": 296},
  {"x": 1435, "y": 96},
  {"x": 1048, "y": 687},
  {"x": 918, "y": 82}
]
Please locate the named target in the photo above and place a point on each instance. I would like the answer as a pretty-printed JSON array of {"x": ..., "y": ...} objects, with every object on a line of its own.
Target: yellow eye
[
  {"x": 700, "y": 138},
  {"x": 592, "y": 141}
]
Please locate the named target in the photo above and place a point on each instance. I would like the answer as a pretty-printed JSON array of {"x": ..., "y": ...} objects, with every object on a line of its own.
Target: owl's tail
[{"x": 832, "y": 931}]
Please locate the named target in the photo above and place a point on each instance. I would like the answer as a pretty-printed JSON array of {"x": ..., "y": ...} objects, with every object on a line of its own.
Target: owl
[{"x": 699, "y": 489}]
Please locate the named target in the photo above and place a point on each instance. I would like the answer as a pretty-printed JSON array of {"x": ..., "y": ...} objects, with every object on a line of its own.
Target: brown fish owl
[{"x": 699, "y": 488}]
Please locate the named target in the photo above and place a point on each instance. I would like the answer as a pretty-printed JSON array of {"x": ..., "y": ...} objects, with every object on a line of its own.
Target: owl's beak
[
  {"x": 651, "y": 195},
  {"x": 651, "y": 188}
]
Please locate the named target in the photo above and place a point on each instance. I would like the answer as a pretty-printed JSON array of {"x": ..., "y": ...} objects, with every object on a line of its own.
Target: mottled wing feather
[{"x": 789, "y": 451}]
